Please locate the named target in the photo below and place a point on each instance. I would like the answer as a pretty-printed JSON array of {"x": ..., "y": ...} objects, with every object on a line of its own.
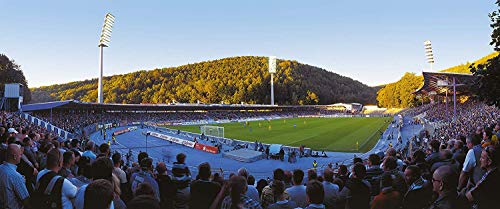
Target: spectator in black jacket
[
  {"x": 419, "y": 192},
  {"x": 203, "y": 191},
  {"x": 373, "y": 173},
  {"x": 356, "y": 193},
  {"x": 167, "y": 188}
]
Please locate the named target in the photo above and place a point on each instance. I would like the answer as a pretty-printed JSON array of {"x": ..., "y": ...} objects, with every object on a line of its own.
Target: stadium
[
  {"x": 156, "y": 127},
  {"x": 253, "y": 132}
]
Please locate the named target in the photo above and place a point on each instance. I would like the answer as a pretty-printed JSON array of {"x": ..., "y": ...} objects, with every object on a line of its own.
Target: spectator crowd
[{"x": 457, "y": 167}]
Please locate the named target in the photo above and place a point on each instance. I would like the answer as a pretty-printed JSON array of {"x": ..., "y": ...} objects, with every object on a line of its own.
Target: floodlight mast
[
  {"x": 428, "y": 52},
  {"x": 272, "y": 70},
  {"x": 107, "y": 27}
]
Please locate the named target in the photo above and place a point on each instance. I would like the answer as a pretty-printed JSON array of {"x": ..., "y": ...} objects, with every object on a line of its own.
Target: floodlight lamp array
[
  {"x": 106, "y": 31},
  {"x": 428, "y": 51}
]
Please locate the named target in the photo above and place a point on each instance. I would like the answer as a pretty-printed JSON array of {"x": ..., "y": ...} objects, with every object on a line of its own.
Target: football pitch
[{"x": 329, "y": 134}]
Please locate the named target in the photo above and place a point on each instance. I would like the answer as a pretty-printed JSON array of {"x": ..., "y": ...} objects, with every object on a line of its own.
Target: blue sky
[{"x": 374, "y": 42}]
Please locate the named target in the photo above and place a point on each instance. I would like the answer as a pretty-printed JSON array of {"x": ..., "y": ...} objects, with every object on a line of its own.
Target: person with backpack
[{"x": 51, "y": 190}]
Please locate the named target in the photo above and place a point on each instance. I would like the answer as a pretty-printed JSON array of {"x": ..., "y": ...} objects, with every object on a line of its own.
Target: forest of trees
[
  {"x": 10, "y": 72},
  {"x": 230, "y": 80},
  {"x": 399, "y": 94}
]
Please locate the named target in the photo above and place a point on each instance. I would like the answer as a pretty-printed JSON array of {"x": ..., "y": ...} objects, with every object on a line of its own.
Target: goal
[{"x": 216, "y": 131}]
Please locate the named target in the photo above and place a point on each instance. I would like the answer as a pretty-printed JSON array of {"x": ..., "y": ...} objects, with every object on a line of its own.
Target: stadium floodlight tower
[
  {"x": 428, "y": 52},
  {"x": 109, "y": 20},
  {"x": 272, "y": 71}
]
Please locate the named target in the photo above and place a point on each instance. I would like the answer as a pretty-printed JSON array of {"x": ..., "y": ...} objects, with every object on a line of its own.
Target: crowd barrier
[{"x": 39, "y": 122}]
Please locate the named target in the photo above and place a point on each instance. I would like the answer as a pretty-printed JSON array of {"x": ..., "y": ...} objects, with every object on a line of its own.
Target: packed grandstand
[{"x": 58, "y": 155}]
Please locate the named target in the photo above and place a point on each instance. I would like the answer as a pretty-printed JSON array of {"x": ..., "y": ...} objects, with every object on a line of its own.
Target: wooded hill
[
  {"x": 230, "y": 80},
  {"x": 399, "y": 94}
]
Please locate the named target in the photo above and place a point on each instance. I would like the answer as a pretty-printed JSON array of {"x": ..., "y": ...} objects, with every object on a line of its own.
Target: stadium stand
[{"x": 454, "y": 159}]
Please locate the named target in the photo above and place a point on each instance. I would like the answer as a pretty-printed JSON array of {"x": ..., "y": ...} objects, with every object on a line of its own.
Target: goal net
[{"x": 217, "y": 131}]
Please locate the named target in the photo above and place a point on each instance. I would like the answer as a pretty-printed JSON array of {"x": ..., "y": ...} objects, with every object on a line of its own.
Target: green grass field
[{"x": 329, "y": 134}]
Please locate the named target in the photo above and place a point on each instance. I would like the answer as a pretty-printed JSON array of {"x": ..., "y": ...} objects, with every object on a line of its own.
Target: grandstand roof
[
  {"x": 44, "y": 106},
  {"x": 440, "y": 82},
  {"x": 74, "y": 104}
]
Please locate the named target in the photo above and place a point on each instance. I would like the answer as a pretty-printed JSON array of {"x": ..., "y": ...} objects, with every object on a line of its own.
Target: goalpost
[{"x": 217, "y": 131}]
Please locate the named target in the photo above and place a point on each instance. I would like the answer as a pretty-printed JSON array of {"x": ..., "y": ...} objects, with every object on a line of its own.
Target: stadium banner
[
  {"x": 163, "y": 124},
  {"x": 206, "y": 148},
  {"x": 133, "y": 128},
  {"x": 174, "y": 140},
  {"x": 119, "y": 132},
  {"x": 129, "y": 129}
]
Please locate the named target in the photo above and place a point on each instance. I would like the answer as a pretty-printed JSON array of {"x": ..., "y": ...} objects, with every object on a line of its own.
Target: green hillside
[
  {"x": 232, "y": 80},
  {"x": 464, "y": 68}
]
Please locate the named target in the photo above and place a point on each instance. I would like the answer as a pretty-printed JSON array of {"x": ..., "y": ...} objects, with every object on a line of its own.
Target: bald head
[
  {"x": 13, "y": 154},
  {"x": 444, "y": 179}
]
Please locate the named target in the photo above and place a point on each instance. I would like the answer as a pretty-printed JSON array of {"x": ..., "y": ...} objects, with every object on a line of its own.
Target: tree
[
  {"x": 400, "y": 94},
  {"x": 486, "y": 86},
  {"x": 232, "y": 80},
  {"x": 10, "y": 72},
  {"x": 495, "y": 25}
]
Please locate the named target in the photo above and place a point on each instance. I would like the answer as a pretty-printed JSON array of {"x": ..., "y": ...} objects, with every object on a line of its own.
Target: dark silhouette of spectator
[
  {"x": 68, "y": 161},
  {"x": 101, "y": 193},
  {"x": 373, "y": 173},
  {"x": 181, "y": 179},
  {"x": 267, "y": 196},
  {"x": 390, "y": 166},
  {"x": 281, "y": 202},
  {"x": 237, "y": 198},
  {"x": 142, "y": 202},
  {"x": 315, "y": 195},
  {"x": 203, "y": 191},
  {"x": 167, "y": 187},
  {"x": 419, "y": 192},
  {"x": 356, "y": 192},
  {"x": 331, "y": 189},
  {"x": 251, "y": 190},
  {"x": 388, "y": 198}
]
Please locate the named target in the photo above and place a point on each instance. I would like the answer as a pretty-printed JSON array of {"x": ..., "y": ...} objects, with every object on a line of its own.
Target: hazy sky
[{"x": 374, "y": 42}]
